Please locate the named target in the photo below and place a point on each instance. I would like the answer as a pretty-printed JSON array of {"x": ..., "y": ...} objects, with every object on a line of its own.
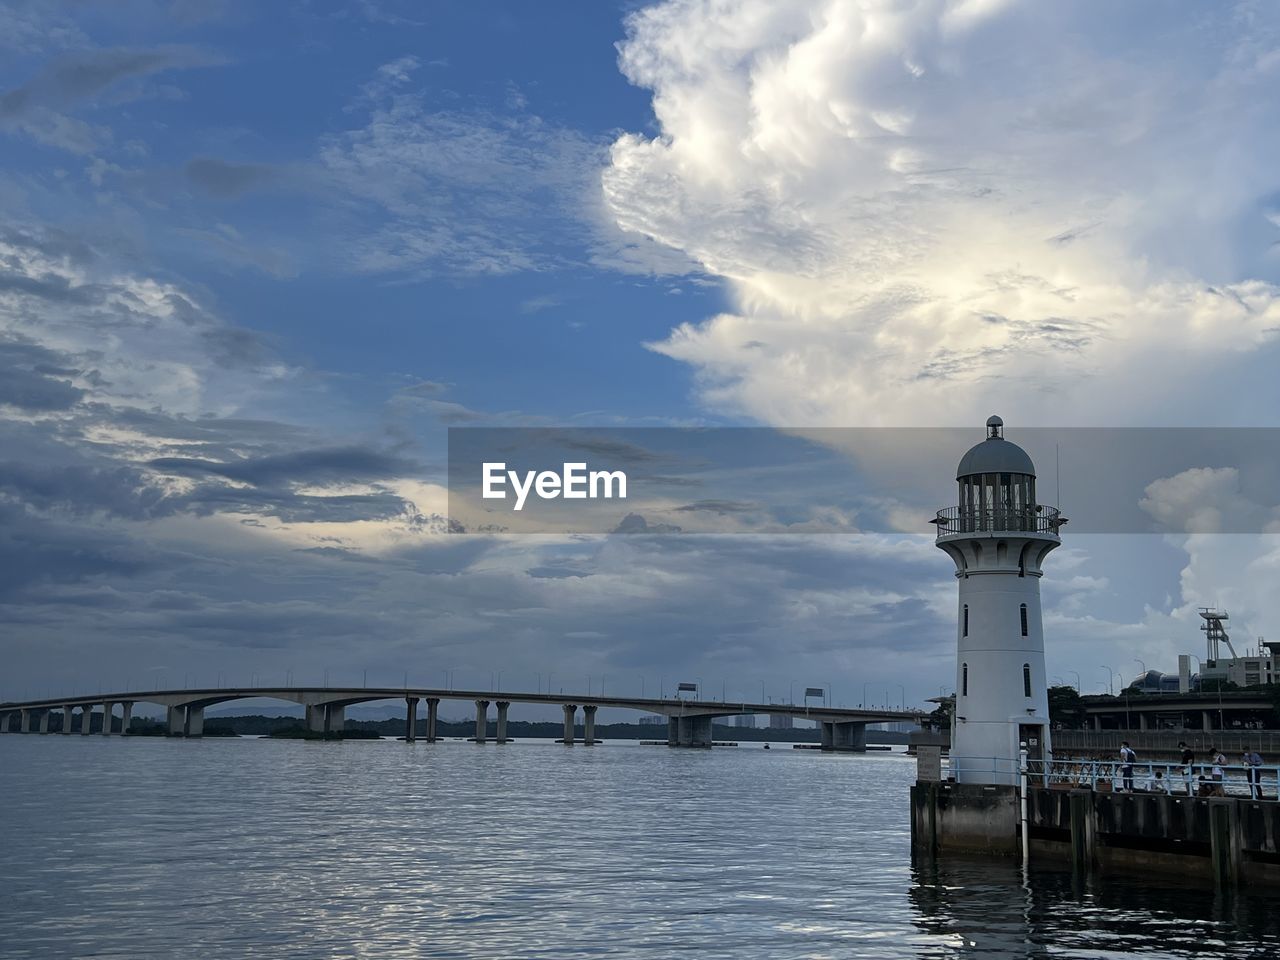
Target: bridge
[{"x": 688, "y": 721}]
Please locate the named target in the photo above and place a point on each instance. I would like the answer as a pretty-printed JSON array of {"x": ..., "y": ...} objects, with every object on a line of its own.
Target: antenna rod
[{"x": 1057, "y": 473}]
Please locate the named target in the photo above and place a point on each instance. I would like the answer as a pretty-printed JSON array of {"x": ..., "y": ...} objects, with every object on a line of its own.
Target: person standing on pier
[
  {"x": 1218, "y": 773},
  {"x": 1188, "y": 762},
  {"x": 1127, "y": 759},
  {"x": 1253, "y": 767}
]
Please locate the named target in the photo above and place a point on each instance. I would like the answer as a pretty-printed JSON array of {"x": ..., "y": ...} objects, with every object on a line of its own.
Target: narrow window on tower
[
  {"x": 964, "y": 680},
  {"x": 966, "y": 620},
  {"x": 1026, "y": 680},
  {"x": 1024, "y": 619}
]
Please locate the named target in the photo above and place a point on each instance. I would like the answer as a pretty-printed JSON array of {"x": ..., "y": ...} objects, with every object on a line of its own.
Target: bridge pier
[
  {"x": 482, "y": 720},
  {"x": 693, "y": 731},
  {"x": 24, "y": 724},
  {"x": 66, "y": 720},
  {"x": 410, "y": 719},
  {"x": 589, "y": 725},
  {"x": 44, "y": 721},
  {"x": 828, "y": 738},
  {"x": 845, "y": 735},
  {"x": 108, "y": 709},
  {"x": 502, "y": 720},
  {"x": 570, "y": 710},
  {"x": 326, "y": 718},
  {"x": 186, "y": 721},
  {"x": 86, "y": 719},
  {"x": 126, "y": 717},
  {"x": 673, "y": 732},
  {"x": 4, "y": 723},
  {"x": 433, "y": 714}
]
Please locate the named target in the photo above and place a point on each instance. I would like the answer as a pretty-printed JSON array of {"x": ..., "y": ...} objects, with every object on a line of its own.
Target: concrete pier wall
[
  {"x": 1225, "y": 841},
  {"x": 965, "y": 818}
]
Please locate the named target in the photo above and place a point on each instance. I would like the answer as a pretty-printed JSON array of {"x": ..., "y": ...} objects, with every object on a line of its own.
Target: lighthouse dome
[{"x": 995, "y": 455}]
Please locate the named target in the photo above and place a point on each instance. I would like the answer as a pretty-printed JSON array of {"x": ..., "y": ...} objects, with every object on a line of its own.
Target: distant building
[
  {"x": 652, "y": 720},
  {"x": 1258, "y": 667},
  {"x": 780, "y": 721},
  {"x": 745, "y": 720}
]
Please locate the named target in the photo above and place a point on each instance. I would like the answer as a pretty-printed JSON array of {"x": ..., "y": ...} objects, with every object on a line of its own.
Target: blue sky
[{"x": 256, "y": 258}]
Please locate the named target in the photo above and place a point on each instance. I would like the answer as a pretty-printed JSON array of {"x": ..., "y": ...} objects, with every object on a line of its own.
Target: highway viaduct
[{"x": 688, "y": 721}]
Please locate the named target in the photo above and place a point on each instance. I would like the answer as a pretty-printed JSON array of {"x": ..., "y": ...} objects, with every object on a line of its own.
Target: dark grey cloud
[
  {"x": 85, "y": 74},
  {"x": 555, "y": 572},
  {"x": 719, "y": 507},
  {"x": 332, "y": 465},
  {"x": 222, "y": 178},
  {"x": 35, "y": 379},
  {"x": 636, "y": 523},
  {"x": 83, "y": 490},
  {"x": 39, "y": 553}
]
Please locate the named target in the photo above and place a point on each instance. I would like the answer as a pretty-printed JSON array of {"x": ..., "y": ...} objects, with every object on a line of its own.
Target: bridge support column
[
  {"x": 570, "y": 709},
  {"x": 1142, "y": 720},
  {"x": 107, "y": 709},
  {"x": 44, "y": 721},
  {"x": 849, "y": 735},
  {"x": 126, "y": 717},
  {"x": 693, "y": 731},
  {"x": 673, "y": 731},
  {"x": 502, "y": 720},
  {"x": 684, "y": 731},
  {"x": 433, "y": 714},
  {"x": 482, "y": 720},
  {"x": 410, "y": 719},
  {"x": 66, "y": 720},
  {"x": 4, "y": 723},
  {"x": 335, "y": 718},
  {"x": 186, "y": 721},
  {"x": 24, "y": 725},
  {"x": 589, "y": 725},
  {"x": 86, "y": 719},
  {"x": 828, "y": 734},
  {"x": 1206, "y": 720}
]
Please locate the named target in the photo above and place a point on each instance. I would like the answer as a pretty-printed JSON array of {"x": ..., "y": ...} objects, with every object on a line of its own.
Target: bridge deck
[{"x": 669, "y": 706}]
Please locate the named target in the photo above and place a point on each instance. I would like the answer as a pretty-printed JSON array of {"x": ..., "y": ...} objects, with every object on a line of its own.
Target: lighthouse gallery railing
[{"x": 1038, "y": 519}]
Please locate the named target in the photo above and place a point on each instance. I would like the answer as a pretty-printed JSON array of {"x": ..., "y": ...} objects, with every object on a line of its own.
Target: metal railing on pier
[{"x": 1261, "y": 782}]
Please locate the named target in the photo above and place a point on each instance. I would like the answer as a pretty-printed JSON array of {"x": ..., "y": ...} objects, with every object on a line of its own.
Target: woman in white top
[{"x": 1217, "y": 773}]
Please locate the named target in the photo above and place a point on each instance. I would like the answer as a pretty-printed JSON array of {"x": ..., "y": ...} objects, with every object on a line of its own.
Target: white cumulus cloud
[{"x": 925, "y": 210}]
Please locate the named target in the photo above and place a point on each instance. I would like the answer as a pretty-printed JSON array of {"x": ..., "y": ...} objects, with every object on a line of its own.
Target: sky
[{"x": 257, "y": 259}]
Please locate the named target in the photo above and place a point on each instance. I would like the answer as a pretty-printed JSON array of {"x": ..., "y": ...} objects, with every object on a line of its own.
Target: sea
[{"x": 245, "y": 847}]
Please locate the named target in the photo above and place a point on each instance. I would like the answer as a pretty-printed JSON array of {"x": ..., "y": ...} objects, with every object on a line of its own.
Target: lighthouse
[{"x": 998, "y": 536}]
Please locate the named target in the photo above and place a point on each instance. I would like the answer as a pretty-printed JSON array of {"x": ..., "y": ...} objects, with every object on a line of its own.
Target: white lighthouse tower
[{"x": 998, "y": 536}]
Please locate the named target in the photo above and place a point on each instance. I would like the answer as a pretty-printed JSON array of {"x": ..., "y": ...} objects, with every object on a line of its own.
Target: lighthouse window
[
  {"x": 1026, "y": 679},
  {"x": 966, "y": 620},
  {"x": 1024, "y": 619},
  {"x": 964, "y": 680}
]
